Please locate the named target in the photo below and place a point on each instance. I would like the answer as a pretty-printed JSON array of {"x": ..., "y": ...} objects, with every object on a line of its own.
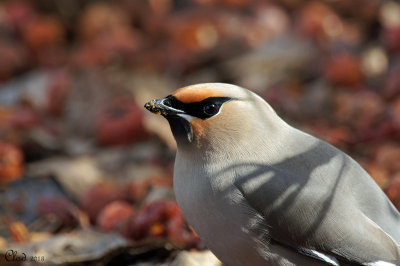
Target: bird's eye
[{"x": 210, "y": 109}]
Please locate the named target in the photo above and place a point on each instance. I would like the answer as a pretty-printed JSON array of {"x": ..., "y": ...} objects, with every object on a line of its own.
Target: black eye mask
[{"x": 203, "y": 109}]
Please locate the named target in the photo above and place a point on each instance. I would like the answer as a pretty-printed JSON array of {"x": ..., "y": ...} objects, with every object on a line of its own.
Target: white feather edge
[
  {"x": 186, "y": 116},
  {"x": 329, "y": 259},
  {"x": 380, "y": 263}
]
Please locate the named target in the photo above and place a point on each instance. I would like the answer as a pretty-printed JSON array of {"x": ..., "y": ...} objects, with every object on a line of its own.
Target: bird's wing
[
  {"x": 372, "y": 240},
  {"x": 349, "y": 235}
]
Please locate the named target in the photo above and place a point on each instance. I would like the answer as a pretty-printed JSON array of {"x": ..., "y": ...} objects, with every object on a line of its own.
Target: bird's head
[{"x": 206, "y": 114}]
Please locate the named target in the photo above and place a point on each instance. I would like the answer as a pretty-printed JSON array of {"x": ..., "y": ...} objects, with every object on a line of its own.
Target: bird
[{"x": 258, "y": 191}]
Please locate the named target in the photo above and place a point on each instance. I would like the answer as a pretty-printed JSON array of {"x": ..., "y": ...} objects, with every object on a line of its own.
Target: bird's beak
[
  {"x": 162, "y": 107},
  {"x": 178, "y": 119}
]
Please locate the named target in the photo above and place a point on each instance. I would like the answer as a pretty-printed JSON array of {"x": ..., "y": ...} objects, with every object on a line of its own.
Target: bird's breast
[{"x": 215, "y": 211}]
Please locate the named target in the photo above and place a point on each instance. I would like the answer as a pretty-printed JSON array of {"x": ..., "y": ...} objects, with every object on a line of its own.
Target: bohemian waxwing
[{"x": 260, "y": 192}]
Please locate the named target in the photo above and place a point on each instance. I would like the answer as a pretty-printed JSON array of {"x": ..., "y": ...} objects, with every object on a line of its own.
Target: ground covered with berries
[{"x": 86, "y": 173}]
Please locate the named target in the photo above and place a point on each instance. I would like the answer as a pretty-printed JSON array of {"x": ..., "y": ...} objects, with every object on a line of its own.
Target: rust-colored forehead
[{"x": 192, "y": 94}]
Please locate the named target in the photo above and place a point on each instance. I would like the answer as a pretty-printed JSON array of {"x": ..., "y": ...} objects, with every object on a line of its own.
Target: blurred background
[{"x": 86, "y": 173}]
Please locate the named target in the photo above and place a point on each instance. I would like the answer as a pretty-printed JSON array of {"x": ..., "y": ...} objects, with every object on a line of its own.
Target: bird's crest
[{"x": 196, "y": 93}]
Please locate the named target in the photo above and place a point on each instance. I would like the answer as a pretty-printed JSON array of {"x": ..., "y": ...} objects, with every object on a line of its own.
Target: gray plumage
[{"x": 260, "y": 192}]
